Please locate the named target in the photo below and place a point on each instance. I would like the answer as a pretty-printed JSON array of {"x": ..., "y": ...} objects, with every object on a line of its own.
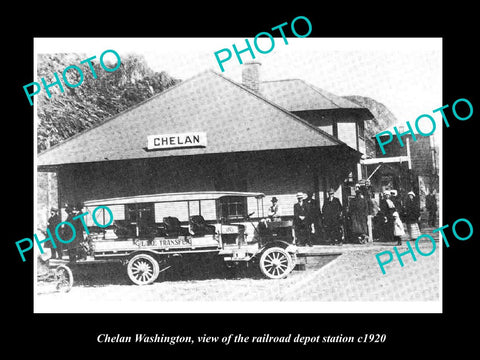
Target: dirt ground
[{"x": 348, "y": 273}]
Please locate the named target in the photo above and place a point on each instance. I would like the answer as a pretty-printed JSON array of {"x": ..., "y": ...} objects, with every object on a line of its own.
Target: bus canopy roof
[{"x": 171, "y": 197}]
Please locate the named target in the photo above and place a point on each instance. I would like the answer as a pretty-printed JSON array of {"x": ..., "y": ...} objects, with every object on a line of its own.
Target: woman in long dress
[
  {"x": 358, "y": 215},
  {"x": 411, "y": 216}
]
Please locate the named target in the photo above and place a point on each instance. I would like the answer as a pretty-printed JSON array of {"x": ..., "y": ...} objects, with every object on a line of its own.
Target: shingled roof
[{"x": 234, "y": 118}]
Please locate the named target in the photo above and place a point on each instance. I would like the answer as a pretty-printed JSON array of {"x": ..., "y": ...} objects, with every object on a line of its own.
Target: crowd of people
[
  {"x": 310, "y": 223},
  {"x": 73, "y": 247},
  {"x": 307, "y": 219},
  {"x": 393, "y": 214},
  {"x": 333, "y": 221}
]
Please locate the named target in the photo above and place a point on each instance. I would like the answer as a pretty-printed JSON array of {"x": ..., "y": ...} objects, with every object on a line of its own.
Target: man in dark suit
[
  {"x": 74, "y": 246},
  {"x": 312, "y": 217},
  {"x": 300, "y": 220},
  {"x": 52, "y": 223},
  {"x": 332, "y": 218}
]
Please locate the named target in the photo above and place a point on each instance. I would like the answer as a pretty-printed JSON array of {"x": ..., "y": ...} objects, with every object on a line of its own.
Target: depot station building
[{"x": 209, "y": 133}]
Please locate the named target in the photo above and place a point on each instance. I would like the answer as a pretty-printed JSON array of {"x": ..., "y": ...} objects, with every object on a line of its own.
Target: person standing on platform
[
  {"x": 373, "y": 210},
  {"x": 411, "y": 216},
  {"x": 300, "y": 220},
  {"x": 398, "y": 230},
  {"x": 332, "y": 212},
  {"x": 52, "y": 223},
  {"x": 311, "y": 216},
  {"x": 431, "y": 205},
  {"x": 358, "y": 213},
  {"x": 74, "y": 246},
  {"x": 387, "y": 208}
]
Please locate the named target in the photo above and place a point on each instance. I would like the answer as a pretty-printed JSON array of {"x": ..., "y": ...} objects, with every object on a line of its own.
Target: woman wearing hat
[
  {"x": 411, "y": 215},
  {"x": 387, "y": 208},
  {"x": 358, "y": 212}
]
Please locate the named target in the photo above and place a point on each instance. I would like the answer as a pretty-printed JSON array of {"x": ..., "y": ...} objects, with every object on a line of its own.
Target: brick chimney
[{"x": 251, "y": 75}]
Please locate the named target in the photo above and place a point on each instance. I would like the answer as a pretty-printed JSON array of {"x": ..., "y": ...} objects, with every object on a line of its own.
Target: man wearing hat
[
  {"x": 74, "y": 246},
  {"x": 274, "y": 211},
  {"x": 312, "y": 216},
  {"x": 300, "y": 220},
  {"x": 52, "y": 223},
  {"x": 332, "y": 218}
]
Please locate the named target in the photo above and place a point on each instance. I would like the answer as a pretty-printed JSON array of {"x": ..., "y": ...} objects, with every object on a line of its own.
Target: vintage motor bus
[{"x": 149, "y": 232}]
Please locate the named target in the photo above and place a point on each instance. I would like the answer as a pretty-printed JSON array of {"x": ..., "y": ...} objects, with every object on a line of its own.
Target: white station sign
[{"x": 170, "y": 141}]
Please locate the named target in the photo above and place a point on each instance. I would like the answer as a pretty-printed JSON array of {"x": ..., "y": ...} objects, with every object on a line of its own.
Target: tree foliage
[{"x": 76, "y": 109}]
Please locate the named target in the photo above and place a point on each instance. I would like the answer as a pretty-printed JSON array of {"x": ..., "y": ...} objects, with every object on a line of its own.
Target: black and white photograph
[
  {"x": 220, "y": 181},
  {"x": 170, "y": 179}
]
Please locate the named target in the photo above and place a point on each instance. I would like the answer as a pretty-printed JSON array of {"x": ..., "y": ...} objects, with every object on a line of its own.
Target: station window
[{"x": 233, "y": 207}]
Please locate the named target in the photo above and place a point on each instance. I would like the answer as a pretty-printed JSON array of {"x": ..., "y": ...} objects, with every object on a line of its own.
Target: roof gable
[{"x": 233, "y": 117}]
